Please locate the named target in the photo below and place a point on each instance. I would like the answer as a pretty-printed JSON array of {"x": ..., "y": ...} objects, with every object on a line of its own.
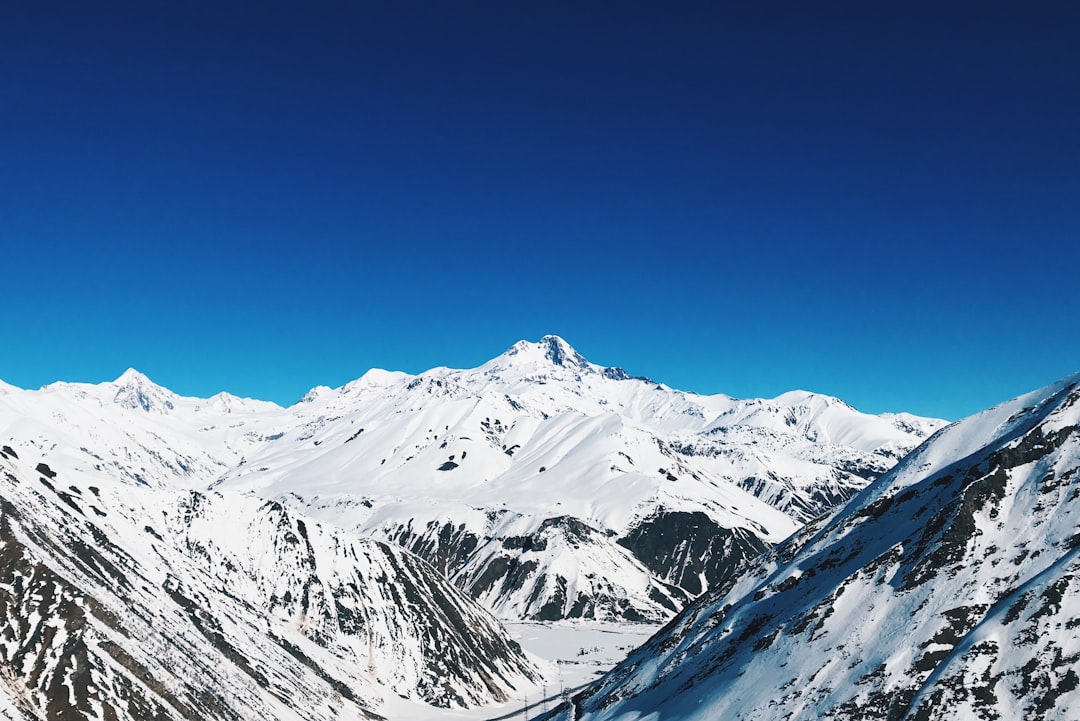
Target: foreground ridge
[
  {"x": 134, "y": 603},
  {"x": 948, "y": 589}
]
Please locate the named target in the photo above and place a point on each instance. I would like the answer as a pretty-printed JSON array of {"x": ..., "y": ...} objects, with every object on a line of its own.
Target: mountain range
[
  {"x": 543, "y": 486},
  {"x": 166, "y": 557}
]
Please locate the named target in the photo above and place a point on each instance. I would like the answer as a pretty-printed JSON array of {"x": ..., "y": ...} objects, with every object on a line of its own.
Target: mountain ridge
[
  {"x": 184, "y": 604},
  {"x": 550, "y": 345},
  {"x": 523, "y": 462},
  {"x": 947, "y": 589}
]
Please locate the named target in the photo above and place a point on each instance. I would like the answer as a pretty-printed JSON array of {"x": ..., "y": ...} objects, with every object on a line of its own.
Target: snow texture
[
  {"x": 121, "y": 601},
  {"x": 948, "y": 589},
  {"x": 543, "y": 485}
]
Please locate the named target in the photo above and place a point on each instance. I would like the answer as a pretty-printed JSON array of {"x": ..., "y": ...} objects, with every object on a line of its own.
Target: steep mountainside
[
  {"x": 948, "y": 589},
  {"x": 550, "y": 487},
  {"x": 544, "y": 485},
  {"x": 126, "y": 602}
]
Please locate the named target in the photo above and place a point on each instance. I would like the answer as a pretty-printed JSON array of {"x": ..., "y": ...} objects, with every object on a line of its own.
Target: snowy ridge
[
  {"x": 126, "y": 602},
  {"x": 486, "y": 467},
  {"x": 948, "y": 589},
  {"x": 569, "y": 477}
]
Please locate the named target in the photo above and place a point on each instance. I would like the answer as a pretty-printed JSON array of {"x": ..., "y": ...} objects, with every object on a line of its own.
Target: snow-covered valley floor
[{"x": 572, "y": 654}]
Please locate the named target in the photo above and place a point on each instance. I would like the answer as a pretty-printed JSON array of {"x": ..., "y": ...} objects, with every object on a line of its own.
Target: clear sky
[{"x": 879, "y": 201}]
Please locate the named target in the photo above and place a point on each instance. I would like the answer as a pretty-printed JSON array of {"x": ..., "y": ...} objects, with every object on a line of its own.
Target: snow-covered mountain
[
  {"x": 948, "y": 589},
  {"x": 550, "y": 487},
  {"x": 543, "y": 485},
  {"x": 127, "y": 602}
]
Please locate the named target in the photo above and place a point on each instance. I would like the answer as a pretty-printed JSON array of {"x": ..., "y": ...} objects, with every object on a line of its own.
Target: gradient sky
[{"x": 878, "y": 201}]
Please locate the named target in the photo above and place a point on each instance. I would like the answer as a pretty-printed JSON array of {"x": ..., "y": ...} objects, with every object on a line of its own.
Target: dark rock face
[
  {"x": 511, "y": 570},
  {"x": 445, "y": 546},
  {"x": 683, "y": 548},
  {"x": 616, "y": 374},
  {"x": 38, "y": 608},
  {"x": 78, "y": 666},
  {"x": 547, "y": 598},
  {"x": 560, "y": 353}
]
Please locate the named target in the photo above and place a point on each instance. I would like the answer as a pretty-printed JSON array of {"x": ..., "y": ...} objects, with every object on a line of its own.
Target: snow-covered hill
[
  {"x": 544, "y": 485},
  {"x": 127, "y": 602},
  {"x": 948, "y": 589},
  {"x": 550, "y": 487}
]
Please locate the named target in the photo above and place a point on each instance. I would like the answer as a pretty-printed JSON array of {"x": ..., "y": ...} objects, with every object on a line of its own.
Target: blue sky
[{"x": 879, "y": 203}]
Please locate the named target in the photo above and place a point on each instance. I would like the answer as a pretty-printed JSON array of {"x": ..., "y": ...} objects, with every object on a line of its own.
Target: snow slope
[
  {"x": 544, "y": 485},
  {"x": 948, "y": 589},
  {"x": 550, "y": 487},
  {"x": 120, "y": 601}
]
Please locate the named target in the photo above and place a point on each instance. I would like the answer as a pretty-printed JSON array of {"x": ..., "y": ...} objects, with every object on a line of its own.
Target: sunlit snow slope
[
  {"x": 127, "y": 602},
  {"x": 543, "y": 485},
  {"x": 549, "y": 487},
  {"x": 948, "y": 589}
]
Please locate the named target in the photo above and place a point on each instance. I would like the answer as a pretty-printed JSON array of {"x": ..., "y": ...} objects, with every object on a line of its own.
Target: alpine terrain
[
  {"x": 121, "y": 601},
  {"x": 947, "y": 589},
  {"x": 542, "y": 485}
]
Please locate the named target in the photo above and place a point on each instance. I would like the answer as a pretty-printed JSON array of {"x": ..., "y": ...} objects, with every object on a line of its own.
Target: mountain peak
[
  {"x": 132, "y": 377},
  {"x": 560, "y": 353},
  {"x": 315, "y": 393},
  {"x": 135, "y": 391},
  {"x": 550, "y": 349}
]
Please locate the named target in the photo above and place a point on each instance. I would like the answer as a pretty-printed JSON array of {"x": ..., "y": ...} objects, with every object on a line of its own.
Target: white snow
[
  {"x": 534, "y": 434},
  {"x": 572, "y": 653},
  {"x": 948, "y": 589}
]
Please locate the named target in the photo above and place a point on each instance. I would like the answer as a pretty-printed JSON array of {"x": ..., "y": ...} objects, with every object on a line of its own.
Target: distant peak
[
  {"x": 135, "y": 391},
  {"x": 550, "y": 348},
  {"x": 377, "y": 377},
  {"x": 131, "y": 377},
  {"x": 315, "y": 393},
  {"x": 560, "y": 353}
]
